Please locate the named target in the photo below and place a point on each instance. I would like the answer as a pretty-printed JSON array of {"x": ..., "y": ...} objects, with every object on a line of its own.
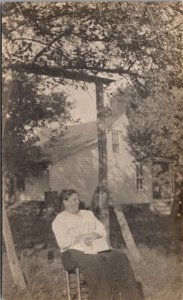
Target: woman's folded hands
[{"x": 87, "y": 238}]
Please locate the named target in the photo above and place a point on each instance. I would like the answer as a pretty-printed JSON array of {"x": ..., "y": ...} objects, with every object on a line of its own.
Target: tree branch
[
  {"x": 119, "y": 71},
  {"x": 31, "y": 40},
  {"x": 62, "y": 34},
  {"x": 175, "y": 27},
  {"x": 71, "y": 73},
  {"x": 58, "y": 72},
  {"x": 14, "y": 29}
]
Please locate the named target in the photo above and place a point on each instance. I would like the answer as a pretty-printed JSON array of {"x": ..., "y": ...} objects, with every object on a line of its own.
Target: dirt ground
[{"x": 157, "y": 238}]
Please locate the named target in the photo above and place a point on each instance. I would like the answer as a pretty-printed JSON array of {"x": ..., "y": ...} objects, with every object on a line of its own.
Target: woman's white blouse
[{"x": 67, "y": 226}]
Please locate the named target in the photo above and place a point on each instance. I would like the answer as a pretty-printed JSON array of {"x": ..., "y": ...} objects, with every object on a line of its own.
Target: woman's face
[{"x": 72, "y": 204}]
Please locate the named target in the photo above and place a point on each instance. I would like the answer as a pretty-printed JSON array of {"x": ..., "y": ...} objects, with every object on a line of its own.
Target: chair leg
[
  {"x": 68, "y": 285},
  {"x": 78, "y": 283}
]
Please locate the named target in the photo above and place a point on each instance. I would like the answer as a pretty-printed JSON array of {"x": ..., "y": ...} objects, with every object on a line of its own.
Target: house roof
[{"x": 76, "y": 138}]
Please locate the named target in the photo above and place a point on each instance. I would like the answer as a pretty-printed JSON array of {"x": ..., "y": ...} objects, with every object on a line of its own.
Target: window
[
  {"x": 20, "y": 184},
  {"x": 139, "y": 177},
  {"x": 115, "y": 141}
]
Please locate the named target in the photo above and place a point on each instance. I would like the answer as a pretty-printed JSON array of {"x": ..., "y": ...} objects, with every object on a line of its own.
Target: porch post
[{"x": 102, "y": 151}]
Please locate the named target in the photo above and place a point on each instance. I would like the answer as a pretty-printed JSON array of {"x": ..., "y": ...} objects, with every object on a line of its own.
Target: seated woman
[{"x": 108, "y": 274}]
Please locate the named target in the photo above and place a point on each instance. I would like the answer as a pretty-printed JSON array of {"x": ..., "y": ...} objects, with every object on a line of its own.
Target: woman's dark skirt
[{"x": 108, "y": 275}]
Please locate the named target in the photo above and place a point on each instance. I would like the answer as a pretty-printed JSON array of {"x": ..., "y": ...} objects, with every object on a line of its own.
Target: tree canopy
[
  {"x": 75, "y": 40},
  {"x": 29, "y": 113},
  {"x": 155, "y": 128}
]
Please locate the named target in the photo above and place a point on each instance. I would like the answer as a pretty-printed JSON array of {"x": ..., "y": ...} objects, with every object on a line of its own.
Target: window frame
[
  {"x": 115, "y": 141},
  {"x": 139, "y": 177}
]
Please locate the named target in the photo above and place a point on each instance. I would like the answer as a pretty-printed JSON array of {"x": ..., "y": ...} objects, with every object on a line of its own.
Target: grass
[
  {"x": 160, "y": 275},
  {"x": 155, "y": 236}
]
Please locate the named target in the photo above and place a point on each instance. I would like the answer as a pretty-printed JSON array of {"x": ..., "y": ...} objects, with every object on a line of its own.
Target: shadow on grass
[{"x": 148, "y": 229}]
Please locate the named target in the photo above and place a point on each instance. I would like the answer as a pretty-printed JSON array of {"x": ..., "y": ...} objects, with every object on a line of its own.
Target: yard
[{"x": 157, "y": 238}]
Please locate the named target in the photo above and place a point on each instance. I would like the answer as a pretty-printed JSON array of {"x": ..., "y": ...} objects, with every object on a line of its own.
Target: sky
[
  {"x": 85, "y": 100},
  {"x": 84, "y": 107}
]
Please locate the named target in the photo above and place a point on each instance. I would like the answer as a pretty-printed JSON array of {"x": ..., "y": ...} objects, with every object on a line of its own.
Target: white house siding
[
  {"x": 78, "y": 171},
  {"x": 35, "y": 188},
  {"x": 122, "y": 170}
]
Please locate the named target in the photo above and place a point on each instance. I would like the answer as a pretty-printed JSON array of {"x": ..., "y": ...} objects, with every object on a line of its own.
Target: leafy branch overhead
[{"x": 104, "y": 39}]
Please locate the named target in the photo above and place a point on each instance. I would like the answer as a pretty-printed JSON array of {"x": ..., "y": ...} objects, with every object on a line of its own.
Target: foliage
[
  {"x": 29, "y": 112},
  {"x": 152, "y": 130},
  {"x": 155, "y": 116},
  {"x": 156, "y": 123},
  {"x": 128, "y": 39}
]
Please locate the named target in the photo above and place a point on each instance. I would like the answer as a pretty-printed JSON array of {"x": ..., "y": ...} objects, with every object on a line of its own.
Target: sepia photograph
[{"x": 92, "y": 150}]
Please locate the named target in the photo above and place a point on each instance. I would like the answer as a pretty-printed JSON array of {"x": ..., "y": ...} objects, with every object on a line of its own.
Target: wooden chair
[{"x": 76, "y": 286}]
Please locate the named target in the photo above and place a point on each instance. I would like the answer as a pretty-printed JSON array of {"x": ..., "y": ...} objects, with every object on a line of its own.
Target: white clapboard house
[{"x": 74, "y": 164}]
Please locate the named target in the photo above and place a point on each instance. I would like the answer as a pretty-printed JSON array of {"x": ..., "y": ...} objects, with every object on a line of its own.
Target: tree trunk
[
  {"x": 130, "y": 243},
  {"x": 102, "y": 151},
  {"x": 8, "y": 239},
  {"x": 11, "y": 253},
  {"x": 103, "y": 182}
]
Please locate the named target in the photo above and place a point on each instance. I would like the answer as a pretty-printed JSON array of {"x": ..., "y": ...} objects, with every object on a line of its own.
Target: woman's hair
[{"x": 65, "y": 194}]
